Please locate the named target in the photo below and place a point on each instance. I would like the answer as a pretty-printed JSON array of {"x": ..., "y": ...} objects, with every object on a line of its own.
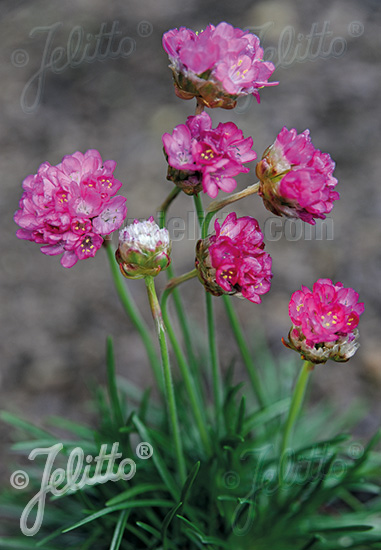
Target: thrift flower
[
  {"x": 324, "y": 322},
  {"x": 217, "y": 65},
  {"x": 204, "y": 158},
  {"x": 233, "y": 260},
  {"x": 67, "y": 208},
  {"x": 144, "y": 249},
  {"x": 296, "y": 179}
]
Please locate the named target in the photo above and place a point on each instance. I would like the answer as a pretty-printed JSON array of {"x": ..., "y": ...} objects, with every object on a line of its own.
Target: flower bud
[
  {"x": 324, "y": 322},
  {"x": 296, "y": 179},
  {"x": 233, "y": 260},
  {"x": 144, "y": 249}
]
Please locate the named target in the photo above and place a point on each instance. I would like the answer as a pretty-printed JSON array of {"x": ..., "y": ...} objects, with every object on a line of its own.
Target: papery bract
[
  {"x": 144, "y": 249},
  {"x": 217, "y": 65},
  {"x": 202, "y": 157},
  {"x": 325, "y": 321},
  {"x": 233, "y": 260},
  {"x": 296, "y": 179},
  {"x": 68, "y": 207}
]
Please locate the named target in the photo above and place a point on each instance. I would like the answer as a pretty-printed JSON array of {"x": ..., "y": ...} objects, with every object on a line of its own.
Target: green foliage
[{"x": 321, "y": 495}]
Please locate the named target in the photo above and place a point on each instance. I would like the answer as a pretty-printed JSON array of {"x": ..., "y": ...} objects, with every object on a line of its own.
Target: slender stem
[
  {"x": 199, "y": 107},
  {"x": 134, "y": 314},
  {"x": 214, "y": 359},
  {"x": 170, "y": 274},
  {"x": 199, "y": 209},
  {"x": 245, "y": 352},
  {"x": 173, "y": 283},
  {"x": 162, "y": 210},
  {"x": 216, "y": 378},
  {"x": 168, "y": 384},
  {"x": 296, "y": 404},
  {"x": 196, "y": 405},
  {"x": 217, "y": 205}
]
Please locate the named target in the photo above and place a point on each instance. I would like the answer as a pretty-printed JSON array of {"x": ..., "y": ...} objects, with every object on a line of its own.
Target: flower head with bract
[
  {"x": 144, "y": 249},
  {"x": 296, "y": 179},
  {"x": 202, "y": 157},
  {"x": 325, "y": 321},
  {"x": 233, "y": 260},
  {"x": 217, "y": 65},
  {"x": 67, "y": 208}
]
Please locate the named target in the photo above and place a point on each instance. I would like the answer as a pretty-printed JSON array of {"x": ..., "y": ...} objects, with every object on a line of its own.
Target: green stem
[
  {"x": 175, "y": 281},
  {"x": 196, "y": 405},
  {"x": 218, "y": 205},
  {"x": 199, "y": 209},
  {"x": 162, "y": 210},
  {"x": 168, "y": 384},
  {"x": 244, "y": 350},
  {"x": 214, "y": 358},
  {"x": 170, "y": 274},
  {"x": 296, "y": 404},
  {"x": 216, "y": 378},
  {"x": 133, "y": 313}
]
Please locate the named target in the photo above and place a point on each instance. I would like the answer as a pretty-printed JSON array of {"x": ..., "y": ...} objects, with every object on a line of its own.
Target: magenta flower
[
  {"x": 296, "y": 179},
  {"x": 325, "y": 321},
  {"x": 67, "y": 208},
  {"x": 233, "y": 260},
  {"x": 217, "y": 65},
  {"x": 202, "y": 157}
]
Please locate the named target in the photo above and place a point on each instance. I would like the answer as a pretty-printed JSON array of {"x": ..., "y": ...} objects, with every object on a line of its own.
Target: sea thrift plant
[
  {"x": 202, "y": 157},
  {"x": 215, "y": 463},
  {"x": 296, "y": 179},
  {"x": 144, "y": 249},
  {"x": 325, "y": 321},
  {"x": 233, "y": 260},
  {"x": 217, "y": 65},
  {"x": 69, "y": 207}
]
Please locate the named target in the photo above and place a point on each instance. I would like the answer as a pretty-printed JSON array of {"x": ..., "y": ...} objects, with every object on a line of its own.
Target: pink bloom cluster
[
  {"x": 235, "y": 259},
  {"x": 296, "y": 179},
  {"x": 206, "y": 157},
  {"x": 326, "y": 313},
  {"x": 68, "y": 207},
  {"x": 228, "y": 59}
]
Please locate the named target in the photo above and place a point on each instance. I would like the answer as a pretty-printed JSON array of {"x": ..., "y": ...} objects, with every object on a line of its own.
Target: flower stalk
[
  {"x": 296, "y": 405},
  {"x": 133, "y": 313},
  {"x": 215, "y": 206},
  {"x": 168, "y": 383}
]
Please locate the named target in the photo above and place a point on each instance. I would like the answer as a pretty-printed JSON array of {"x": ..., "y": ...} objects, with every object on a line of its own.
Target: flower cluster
[
  {"x": 202, "y": 157},
  {"x": 233, "y": 260},
  {"x": 217, "y": 65},
  {"x": 325, "y": 321},
  {"x": 144, "y": 249},
  {"x": 68, "y": 207},
  {"x": 296, "y": 179}
]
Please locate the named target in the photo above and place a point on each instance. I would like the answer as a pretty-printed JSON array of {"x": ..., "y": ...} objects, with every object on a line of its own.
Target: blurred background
[{"x": 54, "y": 321}]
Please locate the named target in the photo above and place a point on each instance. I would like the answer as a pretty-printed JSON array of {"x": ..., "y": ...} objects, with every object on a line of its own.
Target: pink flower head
[
  {"x": 67, "y": 207},
  {"x": 217, "y": 65},
  {"x": 233, "y": 260},
  {"x": 325, "y": 321},
  {"x": 296, "y": 179},
  {"x": 202, "y": 157}
]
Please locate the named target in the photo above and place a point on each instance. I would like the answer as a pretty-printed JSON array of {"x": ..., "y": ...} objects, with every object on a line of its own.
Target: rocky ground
[{"x": 55, "y": 321}]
